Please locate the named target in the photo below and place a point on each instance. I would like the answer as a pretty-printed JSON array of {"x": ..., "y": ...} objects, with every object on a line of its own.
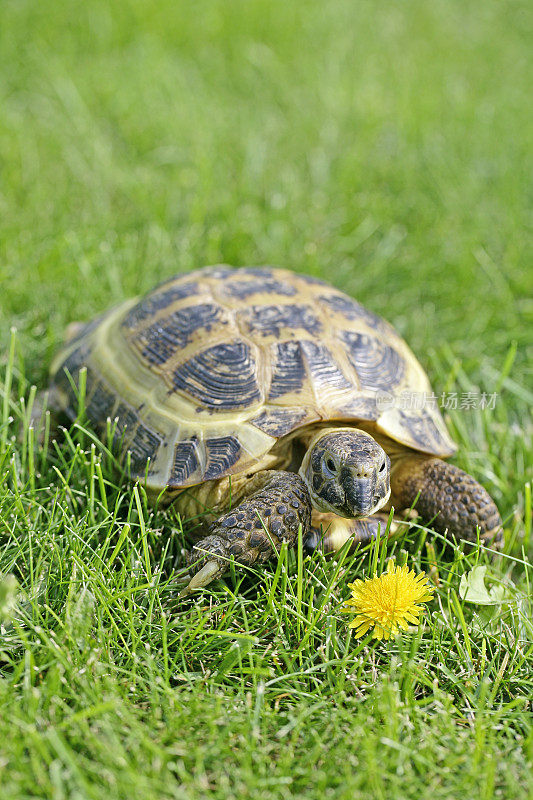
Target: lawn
[{"x": 384, "y": 146}]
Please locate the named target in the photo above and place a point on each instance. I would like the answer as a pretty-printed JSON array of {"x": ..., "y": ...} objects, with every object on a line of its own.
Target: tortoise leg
[
  {"x": 253, "y": 530},
  {"x": 329, "y": 532},
  {"x": 448, "y": 498}
]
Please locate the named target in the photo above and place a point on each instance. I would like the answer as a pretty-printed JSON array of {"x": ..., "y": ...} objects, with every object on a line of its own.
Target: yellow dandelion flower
[{"x": 388, "y": 602}]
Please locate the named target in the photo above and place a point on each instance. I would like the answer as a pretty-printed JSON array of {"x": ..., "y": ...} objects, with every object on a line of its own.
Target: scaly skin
[
  {"x": 449, "y": 498},
  {"x": 347, "y": 472},
  {"x": 329, "y": 532},
  {"x": 281, "y": 506}
]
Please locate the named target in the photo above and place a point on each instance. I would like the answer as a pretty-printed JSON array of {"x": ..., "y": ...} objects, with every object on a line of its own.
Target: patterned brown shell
[{"x": 204, "y": 374}]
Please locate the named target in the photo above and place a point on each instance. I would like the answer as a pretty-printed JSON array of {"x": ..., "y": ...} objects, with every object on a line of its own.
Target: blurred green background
[{"x": 385, "y": 146}]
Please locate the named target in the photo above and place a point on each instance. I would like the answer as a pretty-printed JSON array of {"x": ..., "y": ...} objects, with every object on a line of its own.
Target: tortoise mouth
[
  {"x": 364, "y": 507},
  {"x": 347, "y": 510}
]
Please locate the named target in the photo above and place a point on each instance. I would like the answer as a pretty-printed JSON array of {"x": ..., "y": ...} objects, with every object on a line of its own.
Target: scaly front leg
[
  {"x": 446, "y": 497},
  {"x": 254, "y": 529}
]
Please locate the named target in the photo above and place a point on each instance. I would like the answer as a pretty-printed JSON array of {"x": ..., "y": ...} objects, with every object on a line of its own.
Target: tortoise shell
[{"x": 205, "y": 374}]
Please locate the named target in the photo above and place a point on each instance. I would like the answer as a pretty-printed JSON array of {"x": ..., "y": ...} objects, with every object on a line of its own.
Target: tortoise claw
[{"x": 210, "y": 571}]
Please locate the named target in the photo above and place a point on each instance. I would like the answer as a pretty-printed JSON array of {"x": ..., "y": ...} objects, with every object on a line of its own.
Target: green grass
[{"x": 384, "y": 146}]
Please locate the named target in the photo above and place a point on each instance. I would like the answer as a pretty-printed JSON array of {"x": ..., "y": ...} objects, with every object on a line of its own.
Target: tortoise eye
[{"x": 330, "y": 464}]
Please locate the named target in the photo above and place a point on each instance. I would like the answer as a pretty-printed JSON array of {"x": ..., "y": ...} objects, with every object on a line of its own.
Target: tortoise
[{"x": 269, "y": 402}]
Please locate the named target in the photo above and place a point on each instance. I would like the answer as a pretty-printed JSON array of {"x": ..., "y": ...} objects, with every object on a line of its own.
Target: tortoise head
[{"x": 346, "y": 472}]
